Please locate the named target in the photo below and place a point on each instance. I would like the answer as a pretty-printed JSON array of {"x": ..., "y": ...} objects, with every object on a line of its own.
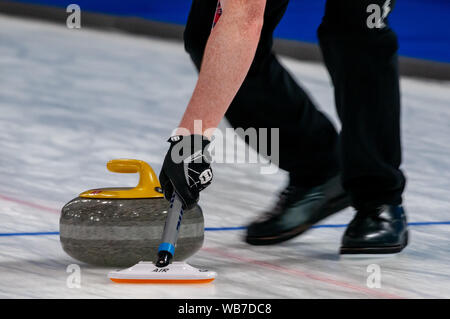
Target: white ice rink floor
[{"x": 70, "y": 100}]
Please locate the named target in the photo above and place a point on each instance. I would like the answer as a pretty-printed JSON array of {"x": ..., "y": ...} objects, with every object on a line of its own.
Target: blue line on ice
[
  {"x": 28, "y": 234},
  {"x": 232, "y": 228}
]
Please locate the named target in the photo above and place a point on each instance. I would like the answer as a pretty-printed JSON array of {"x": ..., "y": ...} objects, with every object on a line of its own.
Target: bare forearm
[{"x": 228, "y": 56}]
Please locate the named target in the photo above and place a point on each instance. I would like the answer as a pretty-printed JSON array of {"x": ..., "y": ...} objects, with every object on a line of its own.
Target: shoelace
[
  {"x": 285, "y": 198},
  {"x": 374, "y": 212}
]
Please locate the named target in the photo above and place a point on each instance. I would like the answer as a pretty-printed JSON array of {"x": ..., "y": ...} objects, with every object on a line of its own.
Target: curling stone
[{"x": 118, "y": 227}]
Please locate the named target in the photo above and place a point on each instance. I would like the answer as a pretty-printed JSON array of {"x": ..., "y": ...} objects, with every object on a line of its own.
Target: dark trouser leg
[
  {"x": 363, "y": 66},
  {"x": 270, "y": 98}
]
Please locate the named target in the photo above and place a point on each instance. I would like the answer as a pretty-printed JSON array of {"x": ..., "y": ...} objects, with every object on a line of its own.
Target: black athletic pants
[{"x": 362, "y": 63}]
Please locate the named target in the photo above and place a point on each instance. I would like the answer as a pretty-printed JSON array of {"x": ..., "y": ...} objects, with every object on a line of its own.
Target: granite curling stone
[{"x": 118, "y": 227}]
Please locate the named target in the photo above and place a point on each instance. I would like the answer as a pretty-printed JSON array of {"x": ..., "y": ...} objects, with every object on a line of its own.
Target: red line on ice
[
  {"x": 29, "y": 204},
  {"x": 302, "y": 274}
]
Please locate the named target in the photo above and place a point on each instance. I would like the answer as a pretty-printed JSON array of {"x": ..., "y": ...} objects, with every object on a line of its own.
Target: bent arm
[{"x": 227, "y": 59}]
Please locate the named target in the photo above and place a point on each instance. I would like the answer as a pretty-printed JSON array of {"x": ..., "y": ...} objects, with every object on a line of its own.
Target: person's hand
[{"x": 186, "y": 168}]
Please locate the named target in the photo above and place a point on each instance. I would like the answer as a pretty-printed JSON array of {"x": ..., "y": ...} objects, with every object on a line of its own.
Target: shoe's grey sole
[{"x": 366, "y": 257}]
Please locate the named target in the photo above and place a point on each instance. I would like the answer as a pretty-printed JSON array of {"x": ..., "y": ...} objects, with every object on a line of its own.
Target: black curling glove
[{"x": 186, "y": 168}]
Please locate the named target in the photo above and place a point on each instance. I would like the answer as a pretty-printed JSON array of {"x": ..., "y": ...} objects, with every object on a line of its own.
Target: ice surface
[{"x": 70, "y": 100}]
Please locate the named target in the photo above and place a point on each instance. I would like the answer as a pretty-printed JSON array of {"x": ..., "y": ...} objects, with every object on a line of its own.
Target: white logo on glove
[{"x": 205, "y": 176}]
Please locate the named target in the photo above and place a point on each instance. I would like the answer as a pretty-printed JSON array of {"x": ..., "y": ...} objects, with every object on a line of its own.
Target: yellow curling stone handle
[{"x": 148, "y": 182}]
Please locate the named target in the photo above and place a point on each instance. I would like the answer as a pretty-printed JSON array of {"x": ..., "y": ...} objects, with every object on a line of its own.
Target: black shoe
[
  {"x": 381, "y": 230},
  {"x": 296, "y": 211}
]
